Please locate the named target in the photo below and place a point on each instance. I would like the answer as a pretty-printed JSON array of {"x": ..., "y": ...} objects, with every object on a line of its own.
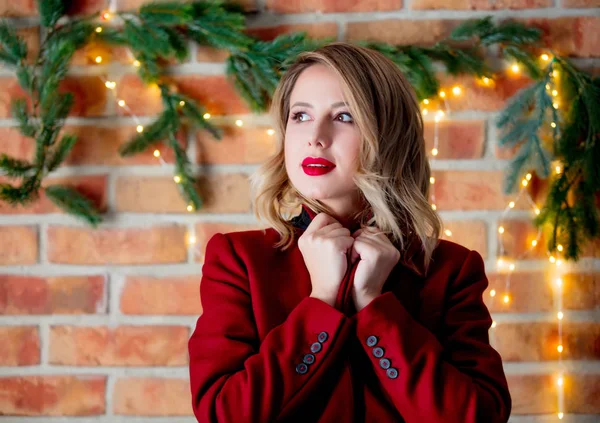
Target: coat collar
[{"x": 412, "y": 258}]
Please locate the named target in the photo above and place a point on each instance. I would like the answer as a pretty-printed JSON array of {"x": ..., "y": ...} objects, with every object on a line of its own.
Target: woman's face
[{"x": 320, "y": 126}]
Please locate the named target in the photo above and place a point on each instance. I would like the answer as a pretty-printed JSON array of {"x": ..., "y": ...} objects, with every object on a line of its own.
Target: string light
[
  {"x": 443, "y": 94},
  {"x": 515, "y": 68},
  {"x": 239, "y": 122},
  {"x": 545, "y": 57},
  {"x": 434, "y": 151},
  {"x": 99, "y": 29},
  {"x": 426, "y": 101},
  {"x": 456, "y": 90},
  {"x": 98, "y": 59}
]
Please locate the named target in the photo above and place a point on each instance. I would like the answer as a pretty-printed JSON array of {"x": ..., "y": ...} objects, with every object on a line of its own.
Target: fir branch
[
  {"x": 61, "y": 151},
  {"x": 19, "y": 111},
  {"x": 74, "y": 203},
  {"x": 14, "y": 168},
  {"x": 186, "y": 180},
  {"x": 51, "y": 11},
  {"x": 155, "y": 132},
  {"x": 14, "y": 48},
  {"x": 168, "y": 14}
]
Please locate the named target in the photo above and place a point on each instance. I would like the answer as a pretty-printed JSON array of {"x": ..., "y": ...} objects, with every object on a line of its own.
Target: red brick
[
  {"x": 168, "y": 295},
  {"x": 215, "y": 93},
  {"x": 92, "y": 187},
  {"x": 247, "y": 145},
  {"x": 10, "y": 8},
  {"x": 471, "y": 190},
  {"x": 152, "y": 397},
  {"x": 538, "y": 341},
  {"x": 332, "y": 6},
  {"x": 537, "y": 394},
  {"x": 205, "y": 231},
  {"x": 121, "y": 346},
  {"x": 456, "y": 139},
  {"x": 52, "y": 295},
  {"x": 9, "y": 90},
  {"x": 471, "y": 234},
  {"x": 20, "y": 346},
  {"x": 480, "y": 4},
  {"x": 570, "y": 36},
  {"x": 401, "y": 31},
  {"x": 518, "y": 237},
  {"x": 52, "y": 395},
  {"x": 89, "y": 95},
  {"x": 19, "y": 245},
  {"x": 228, "y": 193},
  {"x": 580, "y": 3},
  {"x": 148, "y": 245}
]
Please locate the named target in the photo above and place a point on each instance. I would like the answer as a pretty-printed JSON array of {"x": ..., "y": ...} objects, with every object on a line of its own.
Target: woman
[{"x": 354, "y": 310}]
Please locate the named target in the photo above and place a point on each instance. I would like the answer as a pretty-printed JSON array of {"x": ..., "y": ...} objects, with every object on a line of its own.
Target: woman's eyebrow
[{"x": 333, "y": 106}]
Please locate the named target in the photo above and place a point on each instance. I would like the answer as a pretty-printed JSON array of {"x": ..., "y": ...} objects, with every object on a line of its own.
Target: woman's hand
[
  {"x": 324, "y": 246},
  {"x": 378, "y": 256}
]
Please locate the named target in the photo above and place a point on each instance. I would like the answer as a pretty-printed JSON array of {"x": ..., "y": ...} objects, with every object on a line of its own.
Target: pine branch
[
  {"x": 61, "y": 151},
  {"x": 14, "y": 48},
  {"x": 14, "y": 168},
  {"x": 71, "y": 201},
  {"x": 51, "y": 11}
]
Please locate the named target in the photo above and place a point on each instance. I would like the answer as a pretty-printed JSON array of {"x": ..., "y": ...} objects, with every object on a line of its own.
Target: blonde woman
[{"x": 353, "y": 310}]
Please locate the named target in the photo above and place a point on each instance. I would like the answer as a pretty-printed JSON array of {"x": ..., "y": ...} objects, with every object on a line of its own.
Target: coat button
[
  {"x": 371, "y": 341},
  {"x": 301, "y": 368},
  {"x": 309, "y": 359},
  {"x": 316, "y": 347},
  {"x": 378, "y": 352},
  {"x": 323, "y": 337},
  {"x": 392, "y": 373},
  {"x": 385, "y": 363}
]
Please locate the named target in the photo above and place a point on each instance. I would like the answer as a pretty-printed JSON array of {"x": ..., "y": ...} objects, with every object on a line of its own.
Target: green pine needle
[{"x": 74, "y": 203}]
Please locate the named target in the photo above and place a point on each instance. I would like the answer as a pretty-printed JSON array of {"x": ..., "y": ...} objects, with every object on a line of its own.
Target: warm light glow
[
  {"x": 554, "y": 93},
  {"x": 558, "y": 169},
  {"x": 456, "y": 90},
  {"x": 537, "y": 211},
  {"x": 500, "y": 262},
  {"x": 486, "y": 80},
  {"x": 270, "y": 131},
  {"x": 434, "y": 151},
  {"x": 122, "y": 103},
  {"x": 534, "y": 243},
  {"x": 559, "y": 348},
  {"x": 442, "y": 94},
  {"x": 239, "y": 122},
  {"x": 524, "y": 182},
  {"x": 553, "y": 124},
  {"x": 560, "y": 315},
  {"x": 98, "y": 59},
  {"x": 559, "y": 282},
  {"x": 528, "y": 176},
  {"x": 99, "y": 29},
  {"x": 191, "y": 238},
  {"x": 140, "y": 128},
  {"x": 545, "y": 57},
  {"x": 501, "y": 229},
  {"x": 558, "y": 262},
  {"x": 506, "y": 299},
  {"x": 106, "y": 16},
  {"x": 494, "y": 324},
  {"x": 559, "y": 247},
  {"x": 555, "y": 105},
  {"x": 136, "y": 63},
  {"x": 511, "y": 204},
  {"x": 110, "y": 85},
  {"x": 447, "y": 232},
  {"x": 433, "y": 207},
  {"x": 425, "y": 111},
  {"x": 515, "y": 68},
  {"x": 206, "y": 115},
  {"x": 177, "y": 178},
  {"x": 555, "y": 73},
  {"x": 426, "y": 101},
  {"x": 552, "y": 259},
  {"x": 560, "y": 381},
  {"x": 182, "y": 103},
  {"x": 548, "y": 87},
  {"x": 560, "y": 416},
  {"x": 432, "y": 180},
  {"x": 190, "y": 208},
  {"x": 512, "y": 266},
  {"x": 156, "y": 153},
  {"x": 493, "y": 293}
]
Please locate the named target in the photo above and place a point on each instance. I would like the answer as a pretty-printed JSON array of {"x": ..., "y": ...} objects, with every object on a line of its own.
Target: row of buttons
[
  {"x": 309, "y": 359},
  {"x": 384, "y": 363}
]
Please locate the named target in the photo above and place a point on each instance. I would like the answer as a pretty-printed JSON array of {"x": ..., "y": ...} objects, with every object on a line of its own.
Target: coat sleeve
[
  {"x": 460, "y": 379},
  {"x": 236, "y": 378}
]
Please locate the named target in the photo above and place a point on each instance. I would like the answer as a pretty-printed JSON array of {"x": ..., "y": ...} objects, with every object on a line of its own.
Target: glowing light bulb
[
  {"x": 456, "y": 90},
  {"x": 177, "y": 179},
  {"x": 494, "y": 324},
  {"x": 433, "y": 207},
  {"x": 136, "y": 63},
  {"x": 190, "y": 208},
  {"x": 182, "y": 103},
  {"x": 493, "y": 293},
  {"x": 559, "y": 247},
  {"x": 528, "y": 176},
  {"x": 558, "y": 262},
  {"x": 448, "y": 232},
  {"x": 515, "y": 68},
  {"x": 486, "y": 80},
  {"x": 434, "y": 151},
  {"x": 524, "y": 182},
  {"x": 501, "y": 229},
  {"x": 552, "y": 259},
  {"x": 560, "y": 381},
  {"x": 106, "y": 16},
  {"x": 534, "y": 243},
  {"x": 554, "y": 93},
  {"x": 555, "y": 105},
  {"x": 545, "y": 57},
  {"x": 425, "y": 111},
  {"x": 553, "y": 124},
  {"x": 537, "y": 211},
  {"x": 560, "y": 416},
  {"x": 122, "y": 103},
  {"x": 555, "y": 73},
  {"x": 426, "y": 101},
  {"x": 156, "y": 153},
  {"x": 110, "y": 85},
  {"x": 191, "y": 238},
  {"x": 558, "y": 169},
  {"x": 559, "y": 282},
  {"x": 140, "y": 128},
  {"x": 506, "y": 299},
  {"x": 512, "y": 267},
  {"x": 432, "y": 180},
  {"x": 239, "y": 122},
  {"x": 270, "y": 131},
  {"x": 443, "y": 94},
  {"x": 98, "y": 59},
  {"x": 500, "y": 262},
  {"x": 511, "y": 204},
  {"x": 99, "y": 29},
  {"x": 206, "y": 115},
  {"x": 548, "y": 87},
  {"x": 559, "y": 348},
  {"x": 560, "y": 315}
]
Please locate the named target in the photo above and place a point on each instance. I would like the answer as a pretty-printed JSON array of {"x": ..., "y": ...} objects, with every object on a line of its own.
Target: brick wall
[{"x": 94, "y": 323}]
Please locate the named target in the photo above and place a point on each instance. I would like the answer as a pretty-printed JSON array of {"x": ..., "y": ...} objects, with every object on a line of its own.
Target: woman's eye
[
  {"x": 296, "y": 116},
  {"x": 349, "y": 117}
]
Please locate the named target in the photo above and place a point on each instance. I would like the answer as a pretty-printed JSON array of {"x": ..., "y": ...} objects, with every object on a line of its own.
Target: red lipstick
[{"x": 315, "y": 166}]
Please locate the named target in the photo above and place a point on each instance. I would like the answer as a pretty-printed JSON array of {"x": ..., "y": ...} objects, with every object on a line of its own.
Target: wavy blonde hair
[{"x": 393, "y": 169}]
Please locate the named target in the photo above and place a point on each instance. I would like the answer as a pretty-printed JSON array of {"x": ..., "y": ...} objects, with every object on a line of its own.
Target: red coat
[{"x": 264, "y": 351}]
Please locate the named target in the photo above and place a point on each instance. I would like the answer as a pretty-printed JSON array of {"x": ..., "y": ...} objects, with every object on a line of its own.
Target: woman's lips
[{"x": 316, "y": 170}]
